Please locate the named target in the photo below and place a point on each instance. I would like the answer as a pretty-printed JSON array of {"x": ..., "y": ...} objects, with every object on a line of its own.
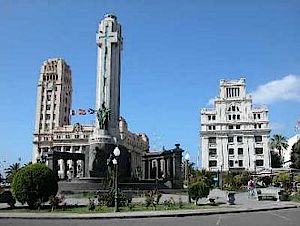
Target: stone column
[
  {"x": 157, "y": 168},
  {"x": 65, "y": 168},
  {"x": 75, "y": 167},
  {"x": 143, "y": 169}
]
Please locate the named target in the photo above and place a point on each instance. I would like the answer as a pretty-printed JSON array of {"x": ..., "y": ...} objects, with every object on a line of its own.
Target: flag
[
  {"x": 73, "y": 112},
  {"x": 91, "y": 111},
  {"x": 81, "y": 111}
]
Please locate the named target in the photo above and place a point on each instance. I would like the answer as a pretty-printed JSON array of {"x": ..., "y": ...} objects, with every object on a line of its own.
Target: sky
[{"x": 174, "y": 54}]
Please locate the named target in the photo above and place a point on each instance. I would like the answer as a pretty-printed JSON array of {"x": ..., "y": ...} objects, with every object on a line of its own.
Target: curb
[{"x": 144, "y": 214}]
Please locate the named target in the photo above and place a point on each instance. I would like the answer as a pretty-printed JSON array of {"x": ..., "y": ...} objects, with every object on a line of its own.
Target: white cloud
[{"x": 287, "y": 88}]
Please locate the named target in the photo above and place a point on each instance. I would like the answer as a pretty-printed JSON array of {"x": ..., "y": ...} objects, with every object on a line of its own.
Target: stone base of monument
[{"x": 81, "y": 185}]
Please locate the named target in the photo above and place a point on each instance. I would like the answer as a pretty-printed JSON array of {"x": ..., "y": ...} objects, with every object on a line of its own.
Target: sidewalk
[{"x": 243, "y": 204}]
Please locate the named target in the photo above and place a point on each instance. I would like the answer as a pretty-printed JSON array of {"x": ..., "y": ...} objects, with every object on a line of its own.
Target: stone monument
[{"x": 106, "y": 135}]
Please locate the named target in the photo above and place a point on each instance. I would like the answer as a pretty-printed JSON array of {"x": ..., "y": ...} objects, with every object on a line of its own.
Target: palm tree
[
  {"x": 279, "y": 143},
  {"x": 12, "y": 170}
]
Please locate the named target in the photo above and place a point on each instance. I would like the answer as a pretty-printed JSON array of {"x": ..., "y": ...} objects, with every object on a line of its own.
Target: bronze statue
[{"x": 103, "y": 115}]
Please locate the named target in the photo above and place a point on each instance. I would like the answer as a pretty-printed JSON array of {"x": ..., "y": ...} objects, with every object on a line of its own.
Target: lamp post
[
  {"x": 117, "y": 153},
  {"x": 221, "y": 175},
  {"x": 187, "y": 158},
  {"x": 254, "y": 164}
]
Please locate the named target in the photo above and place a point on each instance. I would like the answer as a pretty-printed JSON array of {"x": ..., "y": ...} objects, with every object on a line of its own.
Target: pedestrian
[{"x": 251, "y": 187}]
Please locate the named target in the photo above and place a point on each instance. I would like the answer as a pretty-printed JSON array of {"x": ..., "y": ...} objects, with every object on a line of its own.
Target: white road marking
[
  {"x": 219, "y": 221},
  {"x": 280, "y": 216}
]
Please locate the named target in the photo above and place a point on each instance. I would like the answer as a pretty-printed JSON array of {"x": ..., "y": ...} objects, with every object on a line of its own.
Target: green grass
[
  {"x": 295, "y": 197},
  {"x": 104, "y": 209}
]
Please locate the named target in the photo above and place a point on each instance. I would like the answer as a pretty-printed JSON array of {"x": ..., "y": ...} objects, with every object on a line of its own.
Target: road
[{"x": 288, "y": 217}]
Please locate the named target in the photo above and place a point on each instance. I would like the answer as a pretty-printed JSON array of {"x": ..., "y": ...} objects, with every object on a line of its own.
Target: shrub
[
  {"x": 54, "y": 201},
  {"x": 282, "y": 179},
  {"x": 91, "y": 205},
  {"x": 34, "y": 184},
  {"x": 169, "y": 203},
  {"x": 108, "y": 199},
  {"x": 6, "y": 197},
  {"x": 152, "y": 198},
  {"x": 198, "y": 190}
]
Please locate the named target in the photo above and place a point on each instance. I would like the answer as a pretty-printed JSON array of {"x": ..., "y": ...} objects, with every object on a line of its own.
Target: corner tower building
[
  {"x": 235, "y": 134},
  {"x": 54, "y": 99}
]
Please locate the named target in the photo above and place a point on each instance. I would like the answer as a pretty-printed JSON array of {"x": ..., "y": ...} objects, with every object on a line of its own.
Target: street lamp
[
  {"x": 221, "y": 175},
  {"x": 117, "y": 153},
  {"x": 187, "y": 159}
]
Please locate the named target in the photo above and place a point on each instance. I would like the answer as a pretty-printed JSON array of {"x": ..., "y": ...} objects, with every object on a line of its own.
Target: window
[
  {"x": 209, "y": 127},
  {"x": 231, "y": 151},
  {"x": 47, "y": 116},
  {"x": 230, "y": 139},
  {"x": 240, "y": 163},
  {"x": 258, "y": 138},
  {"x": 76, "y": 136},
  {"x": 229, "y": 117},
  {"x": 238, "y": 126},
  {"x": 213, "y": 117},
  {"x": 254, "y": 116},
  {"x": 258, "y": 116},
  {"x": 68, "y": 136},
  {"x": 233, "y": 117},
  {"x": 259, "y": 162},
  {"x": 258, "y": 151},
  {"x": 41, "y": 117},
  {"x": 240, "y": 151},
  {"x": 230, "y": 127},
  {"x": 209, "y": 117},
  {"x": 212, "y": 163},
  {"x": 212, "y": 140},
  {"x": 48, "y": 107},
  {"x": 239, "y": 139},
  {"x": 212, "y": 152},
  {"x": 231, "y": 163},
  {"x": 238, "y": 117},
  {"x": 67, "y": 149}
]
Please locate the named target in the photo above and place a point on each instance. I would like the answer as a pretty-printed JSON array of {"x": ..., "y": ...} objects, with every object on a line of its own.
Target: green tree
[
  {"x": 279, "y": 143},
  {"x": 202, "y": 175},
  {"x": 276, "y": 160},
  {"x": 198, "y": 190},
  {"x": 11, "y": 171},
  {"x": 34, "y": 184},
  {"x": 295, "y": 155}
]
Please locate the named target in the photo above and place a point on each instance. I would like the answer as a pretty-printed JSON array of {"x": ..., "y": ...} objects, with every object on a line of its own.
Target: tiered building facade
[{"x": 234, "y": 134}]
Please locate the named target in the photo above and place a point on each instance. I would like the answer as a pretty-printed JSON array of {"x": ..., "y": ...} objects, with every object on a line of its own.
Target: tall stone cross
[
  {"x": 105, "y": 40},
  {"x": 109, "y": 42}
]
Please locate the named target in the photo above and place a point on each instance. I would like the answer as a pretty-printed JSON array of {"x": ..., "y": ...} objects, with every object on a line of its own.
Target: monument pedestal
[{"x": 97, "y": 158}]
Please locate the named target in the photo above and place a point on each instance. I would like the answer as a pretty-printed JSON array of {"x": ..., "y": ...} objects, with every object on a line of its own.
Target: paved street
[{"x": 288, "y": 217}]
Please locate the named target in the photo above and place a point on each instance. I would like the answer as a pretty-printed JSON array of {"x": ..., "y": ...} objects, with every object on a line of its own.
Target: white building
[
  {"x": 234, "y": 134},
  {"x": 286, "y": 154}
]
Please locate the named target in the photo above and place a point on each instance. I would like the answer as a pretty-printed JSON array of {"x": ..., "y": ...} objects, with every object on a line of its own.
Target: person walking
[{"x": 251, "y": 187}]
